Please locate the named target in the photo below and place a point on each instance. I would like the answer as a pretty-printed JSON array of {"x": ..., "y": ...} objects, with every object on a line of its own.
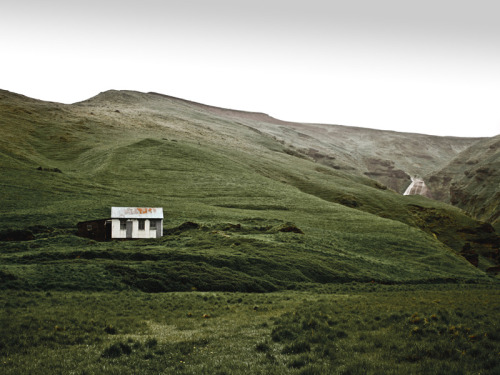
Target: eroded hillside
[{"x": 471, "y": 181}]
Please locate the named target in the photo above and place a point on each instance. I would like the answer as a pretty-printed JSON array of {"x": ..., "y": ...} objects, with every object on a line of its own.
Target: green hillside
[
  {"x": 62, "y": 164},
  {"x": 274, "y": 259}
]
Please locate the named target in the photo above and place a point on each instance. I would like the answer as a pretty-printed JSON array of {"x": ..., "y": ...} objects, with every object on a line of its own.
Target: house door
[{"x": 129, "y": 228}]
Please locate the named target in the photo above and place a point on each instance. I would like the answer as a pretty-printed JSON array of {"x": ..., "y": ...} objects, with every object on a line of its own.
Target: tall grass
[{"x": 356, "y": 329}]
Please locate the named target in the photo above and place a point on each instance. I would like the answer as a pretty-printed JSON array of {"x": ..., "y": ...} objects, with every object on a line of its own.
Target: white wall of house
[{"x": 148, "y": 232}]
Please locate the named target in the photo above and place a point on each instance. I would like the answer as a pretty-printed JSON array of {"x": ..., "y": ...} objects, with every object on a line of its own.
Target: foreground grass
[{"x": 344, "y": 329}]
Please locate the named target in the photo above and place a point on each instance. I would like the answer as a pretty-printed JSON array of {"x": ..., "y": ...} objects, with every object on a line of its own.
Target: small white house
[{"x": 136, "y": 222}]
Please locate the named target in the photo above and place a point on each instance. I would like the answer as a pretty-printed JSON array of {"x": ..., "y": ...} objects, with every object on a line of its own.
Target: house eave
[{"x": 136, "y": 212}]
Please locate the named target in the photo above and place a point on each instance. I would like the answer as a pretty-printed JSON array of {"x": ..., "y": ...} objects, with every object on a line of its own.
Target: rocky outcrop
[{"x": 385, "y": 171}]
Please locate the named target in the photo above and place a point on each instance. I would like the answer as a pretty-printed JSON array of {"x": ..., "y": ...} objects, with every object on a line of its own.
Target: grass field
[
  {"x": 271, "y": 263},
  {"x": 347, "y": 329}
]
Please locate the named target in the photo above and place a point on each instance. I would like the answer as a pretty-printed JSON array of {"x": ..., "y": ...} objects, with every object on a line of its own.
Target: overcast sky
[{"x": 427, "y": 66}]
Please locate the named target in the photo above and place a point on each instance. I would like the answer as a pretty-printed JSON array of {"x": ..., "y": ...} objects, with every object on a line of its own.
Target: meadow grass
[{"x": 345, "y": 329}]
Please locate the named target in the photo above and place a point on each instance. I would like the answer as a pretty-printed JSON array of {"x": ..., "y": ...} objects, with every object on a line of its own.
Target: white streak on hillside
[{"x": 417, "y": 187}]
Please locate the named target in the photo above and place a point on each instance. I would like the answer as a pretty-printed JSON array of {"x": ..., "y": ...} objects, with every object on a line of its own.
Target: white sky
[{"x": 427, "y": 66}]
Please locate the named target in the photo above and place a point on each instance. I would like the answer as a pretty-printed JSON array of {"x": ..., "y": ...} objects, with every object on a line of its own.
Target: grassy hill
[
  {"x": 276, "y": 259},
  {"x": 67, "y": 163}
]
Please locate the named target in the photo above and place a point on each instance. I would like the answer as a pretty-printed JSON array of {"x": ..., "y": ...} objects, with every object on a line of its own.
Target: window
[
  {"x": 142, "y": 224},
  {"x": 123, "y": 224},
  {"x": 152, "y": 224}
]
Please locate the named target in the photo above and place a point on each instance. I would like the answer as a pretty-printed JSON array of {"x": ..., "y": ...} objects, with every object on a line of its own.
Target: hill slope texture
[{"x": 272, "y": 205}]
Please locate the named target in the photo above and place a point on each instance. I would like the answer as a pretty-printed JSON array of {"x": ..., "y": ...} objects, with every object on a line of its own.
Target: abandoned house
[{"x": 125, "y": 223}]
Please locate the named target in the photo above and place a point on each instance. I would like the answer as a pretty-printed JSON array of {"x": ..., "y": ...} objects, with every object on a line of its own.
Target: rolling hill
[{"x": 243, "y": 180}]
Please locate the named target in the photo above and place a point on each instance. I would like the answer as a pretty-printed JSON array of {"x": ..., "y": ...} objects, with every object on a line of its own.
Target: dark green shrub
[
  {"x": 297, "y": 347},
  {"x": 114, "y": 351},
  {"x": 341, "y": 334},
  {"x": 283, "y": 334},
  {"x": 329, "y": 352},
  {"x": 110, "y": 330},
  {"x": 151, "y": 343},
  {"x": 151, "y": 285},
  {"x": 262, "y": 347},
  {"x": 125, "y": 348},
  {"x": 299, "y": 362}
]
